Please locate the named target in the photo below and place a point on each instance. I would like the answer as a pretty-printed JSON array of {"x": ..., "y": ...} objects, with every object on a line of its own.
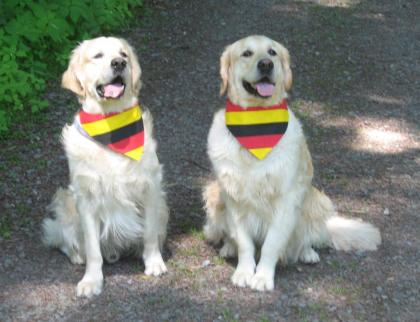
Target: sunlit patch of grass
[
  {"x": 197, "y": 233},
  {"x": 191, "y": 250},
  {"x": 183, "y": 269},
  {"x": 218, "y": 260}
]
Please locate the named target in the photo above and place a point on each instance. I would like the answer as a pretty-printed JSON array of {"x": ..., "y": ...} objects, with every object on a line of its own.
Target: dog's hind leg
[
  {"x": 308, "y": 255},
  {"x": 215, "y": 214},
  {"x": 62, "y": 232},
  {"x": 229, "y": 248}
]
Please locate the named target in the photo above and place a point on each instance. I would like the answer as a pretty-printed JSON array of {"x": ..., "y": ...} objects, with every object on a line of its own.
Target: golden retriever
[
  {"x": 267, "y": 200},
  {"x": 114, "y": 204}
]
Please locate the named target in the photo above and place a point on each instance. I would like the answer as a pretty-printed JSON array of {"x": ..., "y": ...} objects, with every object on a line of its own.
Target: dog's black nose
[
  {"x": 265, "y": 66},
  {"x": 118, "y": 64}
]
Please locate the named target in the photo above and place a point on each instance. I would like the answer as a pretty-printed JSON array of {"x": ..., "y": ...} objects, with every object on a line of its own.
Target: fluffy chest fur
[
  {"x": 101, "y": 172},
  {"x": 258, "y": 184}
]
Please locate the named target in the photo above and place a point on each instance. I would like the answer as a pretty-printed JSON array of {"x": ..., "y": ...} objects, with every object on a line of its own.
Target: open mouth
[
  {"x": 263, "y": 88},
  {"x": 115, "y": 89}
]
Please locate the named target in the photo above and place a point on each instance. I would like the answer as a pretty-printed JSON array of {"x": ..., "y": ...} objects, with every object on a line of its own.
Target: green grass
[
  {"x": 188, "y": 224},
  {"x": 41, "y": 164},
  {"x": 228, "y": 315},
  {"x": 334, "y": 264},
  {"x": 312, "y": 311},
  {"x": 219, "y": 261},
  {"x": 264, "y": 319},
  {"x": 193, "y": 250},
  {"x": 197, "y": 233},
  {"x": 343, "y": 289},
  {"x": 5, "y": 228},
  {"x": 183, "y": 269}
]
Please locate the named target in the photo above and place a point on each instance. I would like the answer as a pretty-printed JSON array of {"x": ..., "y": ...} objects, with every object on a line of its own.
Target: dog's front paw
[
  {"x": 262, "y": 282},
  {"x": 155, "y": 266},
  {"x": 242, "y": 276},
  {"x": 89, "y": 287}
]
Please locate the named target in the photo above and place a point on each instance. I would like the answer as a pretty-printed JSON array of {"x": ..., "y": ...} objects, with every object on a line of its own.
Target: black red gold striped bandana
[
  {"x": 121, "y": 132},
  {"x": 258, "y": 129}
]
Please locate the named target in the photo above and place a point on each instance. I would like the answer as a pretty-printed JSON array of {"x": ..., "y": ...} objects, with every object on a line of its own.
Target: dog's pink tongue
[
  {"x": 113, "y": 90},
  {"x": 265, "y": 89}
]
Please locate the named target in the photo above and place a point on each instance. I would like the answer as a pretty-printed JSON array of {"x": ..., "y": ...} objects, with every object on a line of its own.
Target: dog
[
  {"x": 114, "y": 204},
  {"x": 262, "y": 197}
]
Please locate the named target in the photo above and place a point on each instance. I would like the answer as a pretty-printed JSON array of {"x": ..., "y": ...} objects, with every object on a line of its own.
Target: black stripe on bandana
[
  {"x": 258, "y": 129},
  {"x": 121, "y": 133}
]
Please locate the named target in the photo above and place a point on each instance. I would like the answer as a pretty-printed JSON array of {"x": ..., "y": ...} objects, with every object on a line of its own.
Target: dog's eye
[
  {"x": 247, "y": 53},
  {"x": 124, "y": 54},
  {"x": 272, "y": 52},
  {"x": 98, "y": 55}
]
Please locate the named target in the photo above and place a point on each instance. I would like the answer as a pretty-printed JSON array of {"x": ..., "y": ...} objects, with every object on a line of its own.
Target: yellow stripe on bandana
[
  {"x": 113, "y": 122},
  {"x": 260, "y": 153},
  {"x": 136, "y": 153},
  {"x": 256, "y": 117}
]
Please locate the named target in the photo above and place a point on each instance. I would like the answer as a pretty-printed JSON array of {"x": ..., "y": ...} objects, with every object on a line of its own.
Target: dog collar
[
  {"x": 121, "y": 132},
  {"x": 258, "y": 129}
]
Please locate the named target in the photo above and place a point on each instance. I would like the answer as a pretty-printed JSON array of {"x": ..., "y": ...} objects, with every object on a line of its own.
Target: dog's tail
[
  {"x": 214, "y": 229},
  {"x": 61, "y": 232},
  {"x": 351, "y": 234},
  {"x": 339, "y": 232}
]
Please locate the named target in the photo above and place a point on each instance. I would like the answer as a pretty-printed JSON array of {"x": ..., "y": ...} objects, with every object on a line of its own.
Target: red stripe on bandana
[
  {"x": 259, "y": 141},
  {"x": 89, "y": 118},
  {"x": 230, "y": 107},
  {"x": 128, "y": 144}
]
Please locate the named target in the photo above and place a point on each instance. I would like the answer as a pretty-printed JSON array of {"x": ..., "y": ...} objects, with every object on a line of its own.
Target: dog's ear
[
  {"x": 225, "y": 61},
  {"x": 135, "y": 67},
  {"x": 285, "y": 62},
  {"x": 70, "y": 80}
]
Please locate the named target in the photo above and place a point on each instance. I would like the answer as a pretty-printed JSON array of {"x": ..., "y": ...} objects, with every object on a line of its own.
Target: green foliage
[{"x": 36, "y": 37}]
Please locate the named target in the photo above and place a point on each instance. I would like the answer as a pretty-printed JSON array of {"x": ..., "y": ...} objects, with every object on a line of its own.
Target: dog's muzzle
[
  {"x": 265, "y": 66},
  {"x": 118, "y": 65}
]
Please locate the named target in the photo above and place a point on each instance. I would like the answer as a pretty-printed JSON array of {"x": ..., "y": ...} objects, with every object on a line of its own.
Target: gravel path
[{"x": 356, "y": 89}]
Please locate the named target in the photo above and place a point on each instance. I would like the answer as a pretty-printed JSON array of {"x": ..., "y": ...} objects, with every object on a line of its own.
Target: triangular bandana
[
  {"x": 121, "y": 132},
  {"x": 257, "y": 129}
]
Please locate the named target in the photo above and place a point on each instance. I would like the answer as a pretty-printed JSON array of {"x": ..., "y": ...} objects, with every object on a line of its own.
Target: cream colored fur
[
  {"x": 270, "y": 203},
  {"x": 113, "y": 205}
]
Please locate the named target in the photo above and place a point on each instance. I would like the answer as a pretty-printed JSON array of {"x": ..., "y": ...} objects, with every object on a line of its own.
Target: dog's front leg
[
  {"x": 156, "y": 216},
  {"x": 246, "y": 252},
  {"x": 92, "y": 281},
  {"x": 274, "y": 246}
]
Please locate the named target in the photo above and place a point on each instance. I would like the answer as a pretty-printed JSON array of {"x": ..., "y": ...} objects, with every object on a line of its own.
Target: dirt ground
[{"x": 356, "y": 88}]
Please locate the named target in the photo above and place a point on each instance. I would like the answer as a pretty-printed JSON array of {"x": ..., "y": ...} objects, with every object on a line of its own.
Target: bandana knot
[
  {"x": 258, "y": 129},
  {"x": 121, "y": 132}
]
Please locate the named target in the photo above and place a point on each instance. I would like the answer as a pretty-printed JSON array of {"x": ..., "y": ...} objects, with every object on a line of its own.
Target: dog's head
[
  {"x": 255, "y": 71},
  {"x": 103, "y": 69}
]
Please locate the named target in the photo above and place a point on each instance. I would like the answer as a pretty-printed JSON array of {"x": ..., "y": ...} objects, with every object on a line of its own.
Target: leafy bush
[{"x": 36, "y": 37}]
